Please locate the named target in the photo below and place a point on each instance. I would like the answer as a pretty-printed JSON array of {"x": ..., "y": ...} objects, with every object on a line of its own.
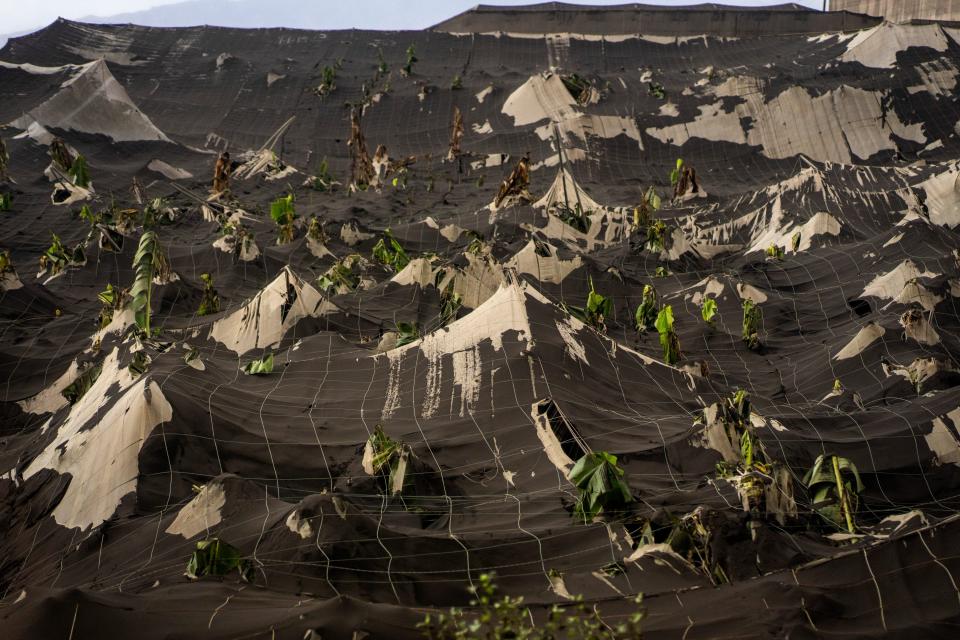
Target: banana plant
[
  {"x": 148, "y": 263},
  {"x": 56, "y": 258},
  {"x": 411, "y": 58},
  {"x": 657, "y": 235},
  {"x": 340, "y": 277},
  {"x": 329, "y": 81},
  {"x": 284, "y": 214},
  {"x": 574, "y": 216},
  {"x": 316, "y": 231},
  {"x": 139, "y": 363},
  {"x": 668, "y": 336},
  {"x": 601, "y": 484},
  {"x": 79, "y": 173},
  {"x": 450, "y": 304},
  {"x": 87, "y": 214},
  {"x": 407, "y": 332},
  {"x": 708, "y": 311},
  {"x": 111, "y": 301},
  {"x": 598, "y": 308},
  {"x": 382, "y": 66},
  {"x": 211, "y": 299},
  {"x": 834, "y": 485},
  {"x": 157, "y": 211},
  {"x": 388, "y": 457},
  {"x": 676, "y": 172},
  {"x": 6, "y": 264},
  {"x": 646, "y": 316},
  {"x": 752, "y": 323},
  {"x": 323, "y": 180},
  {"x": 390, "y": 253},
  {"x": 649, "y": 204},
  {"x": 214, "y": 557},
  {"x": 76, "y": 389},
  {"x": 259, "y": 367}
]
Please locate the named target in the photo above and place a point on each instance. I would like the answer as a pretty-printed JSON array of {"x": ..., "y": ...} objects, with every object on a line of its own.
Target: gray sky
[{"x": 18, "y": 16}]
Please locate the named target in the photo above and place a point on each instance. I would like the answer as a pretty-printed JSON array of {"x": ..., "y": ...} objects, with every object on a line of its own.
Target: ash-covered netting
[{"x": 371, "y": 363}]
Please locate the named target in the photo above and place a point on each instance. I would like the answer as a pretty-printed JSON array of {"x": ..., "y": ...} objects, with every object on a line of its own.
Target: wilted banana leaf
[
  {"x": 260, "y": 367},
  {"x": 215, "y": 557}
]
